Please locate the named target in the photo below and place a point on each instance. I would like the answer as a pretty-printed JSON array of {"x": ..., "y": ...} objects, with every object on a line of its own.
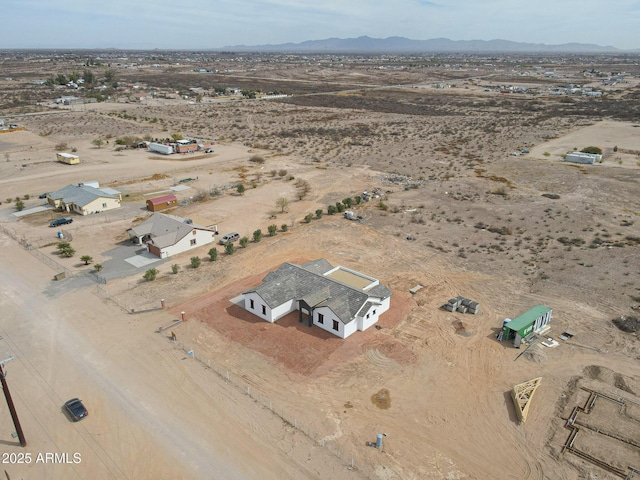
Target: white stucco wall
[
  {"x": 368, "y": 318},
  {"x": 349, "y": 328},
  {"x": 284, "y": 309},
  {"x": 202, "y": 237},
  {"x": 328, "y": 318},
  {"x": 344, "y": 329},
  {"x": 373, "y": 314},
  {"x": 258, "y": 302},
  {"x": 384, "y": 305},
  {"x": 270, "y": 315}
]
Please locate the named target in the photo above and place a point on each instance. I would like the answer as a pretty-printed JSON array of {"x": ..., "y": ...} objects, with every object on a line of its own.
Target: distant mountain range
[{"x": 370, "y": 45}]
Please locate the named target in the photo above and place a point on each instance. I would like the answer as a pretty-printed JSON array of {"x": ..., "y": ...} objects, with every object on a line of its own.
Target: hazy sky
[{"x": 199, "y": 24}]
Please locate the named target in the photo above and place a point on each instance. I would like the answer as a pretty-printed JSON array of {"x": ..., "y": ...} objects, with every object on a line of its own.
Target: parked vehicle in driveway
[
  {"x": 43, "y": 195},
  {"x": 75, "y": 409},
  {"x": 229, "y": 238},
  {"x": 60, "y": 221}
]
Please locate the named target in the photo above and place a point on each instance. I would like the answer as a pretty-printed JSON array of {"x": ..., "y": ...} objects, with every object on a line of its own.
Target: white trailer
[{"x": 161, "y": 148}]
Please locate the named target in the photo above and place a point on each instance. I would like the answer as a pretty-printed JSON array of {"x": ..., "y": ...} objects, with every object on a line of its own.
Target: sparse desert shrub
[
  {"x": 578, "y": 242},
  {"x": 257, "y": 235},
  {"x": 257, "y": 159},
  {"x": 308, "y": 217},
  {"x": 175, "y": 268},
  {"x": 195, "y": 262},
  {"x": 284, "y": 227},
  {"x": 244, "y": 241},
  {"x": 273, "y": 229},
  {"x": 302, "y": 189},
  {"x": 229, "y": 248},
  {"x": 592, "y": 150},
  {"x": 150, "y": 275},
  {"x": 500, "y": 230}
]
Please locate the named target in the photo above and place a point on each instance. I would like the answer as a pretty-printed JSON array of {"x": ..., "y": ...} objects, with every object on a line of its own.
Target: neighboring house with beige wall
[{"x": 85, "y": 198}]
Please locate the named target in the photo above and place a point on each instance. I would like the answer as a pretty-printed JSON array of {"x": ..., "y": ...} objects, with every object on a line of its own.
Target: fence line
[
  {"x": 332, "y": 445},
  {"x": 28, "y": 246},
  {"x": 102, "y": 292}
]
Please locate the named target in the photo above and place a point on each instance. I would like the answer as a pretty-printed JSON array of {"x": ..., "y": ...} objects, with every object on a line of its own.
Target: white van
[{"x": 229, "y": 238}]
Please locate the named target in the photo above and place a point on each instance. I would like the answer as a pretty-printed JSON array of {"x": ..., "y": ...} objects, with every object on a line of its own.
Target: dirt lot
[{"x": 458, "y": 214}]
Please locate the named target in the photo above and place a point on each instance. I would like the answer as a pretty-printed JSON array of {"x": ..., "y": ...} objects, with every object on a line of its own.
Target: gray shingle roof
[
  {"x": 379, "y": 291},
  {"x": 320, "y": 266},
  {"x": 80, "y": 195},
  {"x": 306, "y": 282},
  {"x": 165, "y": 230}
]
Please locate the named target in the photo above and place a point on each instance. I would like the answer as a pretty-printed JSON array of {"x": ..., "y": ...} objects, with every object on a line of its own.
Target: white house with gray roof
[
  {"x": 167, "y": 235},
  {"x": 85, "y": 198},
  {"x": 336, "y": 299}
]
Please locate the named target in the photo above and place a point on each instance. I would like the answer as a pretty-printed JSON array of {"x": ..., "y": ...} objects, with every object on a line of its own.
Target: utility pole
[{"x": 12, "y": 409}]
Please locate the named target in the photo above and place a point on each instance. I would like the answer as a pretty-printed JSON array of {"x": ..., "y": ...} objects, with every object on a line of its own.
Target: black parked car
[
  {"x": 75, "y": 409},
  {"x": 61, "y": 221}
]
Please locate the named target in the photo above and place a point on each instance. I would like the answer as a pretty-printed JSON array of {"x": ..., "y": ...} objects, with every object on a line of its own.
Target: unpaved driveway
[{"x": 152, "y": 412}]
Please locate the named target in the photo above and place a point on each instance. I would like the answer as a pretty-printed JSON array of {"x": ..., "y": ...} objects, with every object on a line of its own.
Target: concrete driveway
[{"x": 142, "y": 259}]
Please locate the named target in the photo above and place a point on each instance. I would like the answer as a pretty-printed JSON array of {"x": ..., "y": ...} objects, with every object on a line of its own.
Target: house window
[
  {"x": 193, "y": 242},
  {"x": 104, "y": 205},
  {"x": 374, "y": 312},
  {"x": 320, "y": 318},
  {"x": 264, "y": 310},
  {"x": 336, "y": 327},
  {"x": 251, "y": 304},
  {"x": 368, "y": 316}
]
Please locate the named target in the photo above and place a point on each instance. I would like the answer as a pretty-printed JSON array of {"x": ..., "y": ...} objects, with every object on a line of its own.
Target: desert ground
[{"x": 457, "y": 213}]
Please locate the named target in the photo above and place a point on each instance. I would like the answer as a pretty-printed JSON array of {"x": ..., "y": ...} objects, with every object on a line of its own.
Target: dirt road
[{"x": 152, "y": 412}]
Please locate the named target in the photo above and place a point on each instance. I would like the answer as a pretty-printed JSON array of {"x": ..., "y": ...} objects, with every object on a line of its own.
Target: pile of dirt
[{"x": 627, "y": 324}]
